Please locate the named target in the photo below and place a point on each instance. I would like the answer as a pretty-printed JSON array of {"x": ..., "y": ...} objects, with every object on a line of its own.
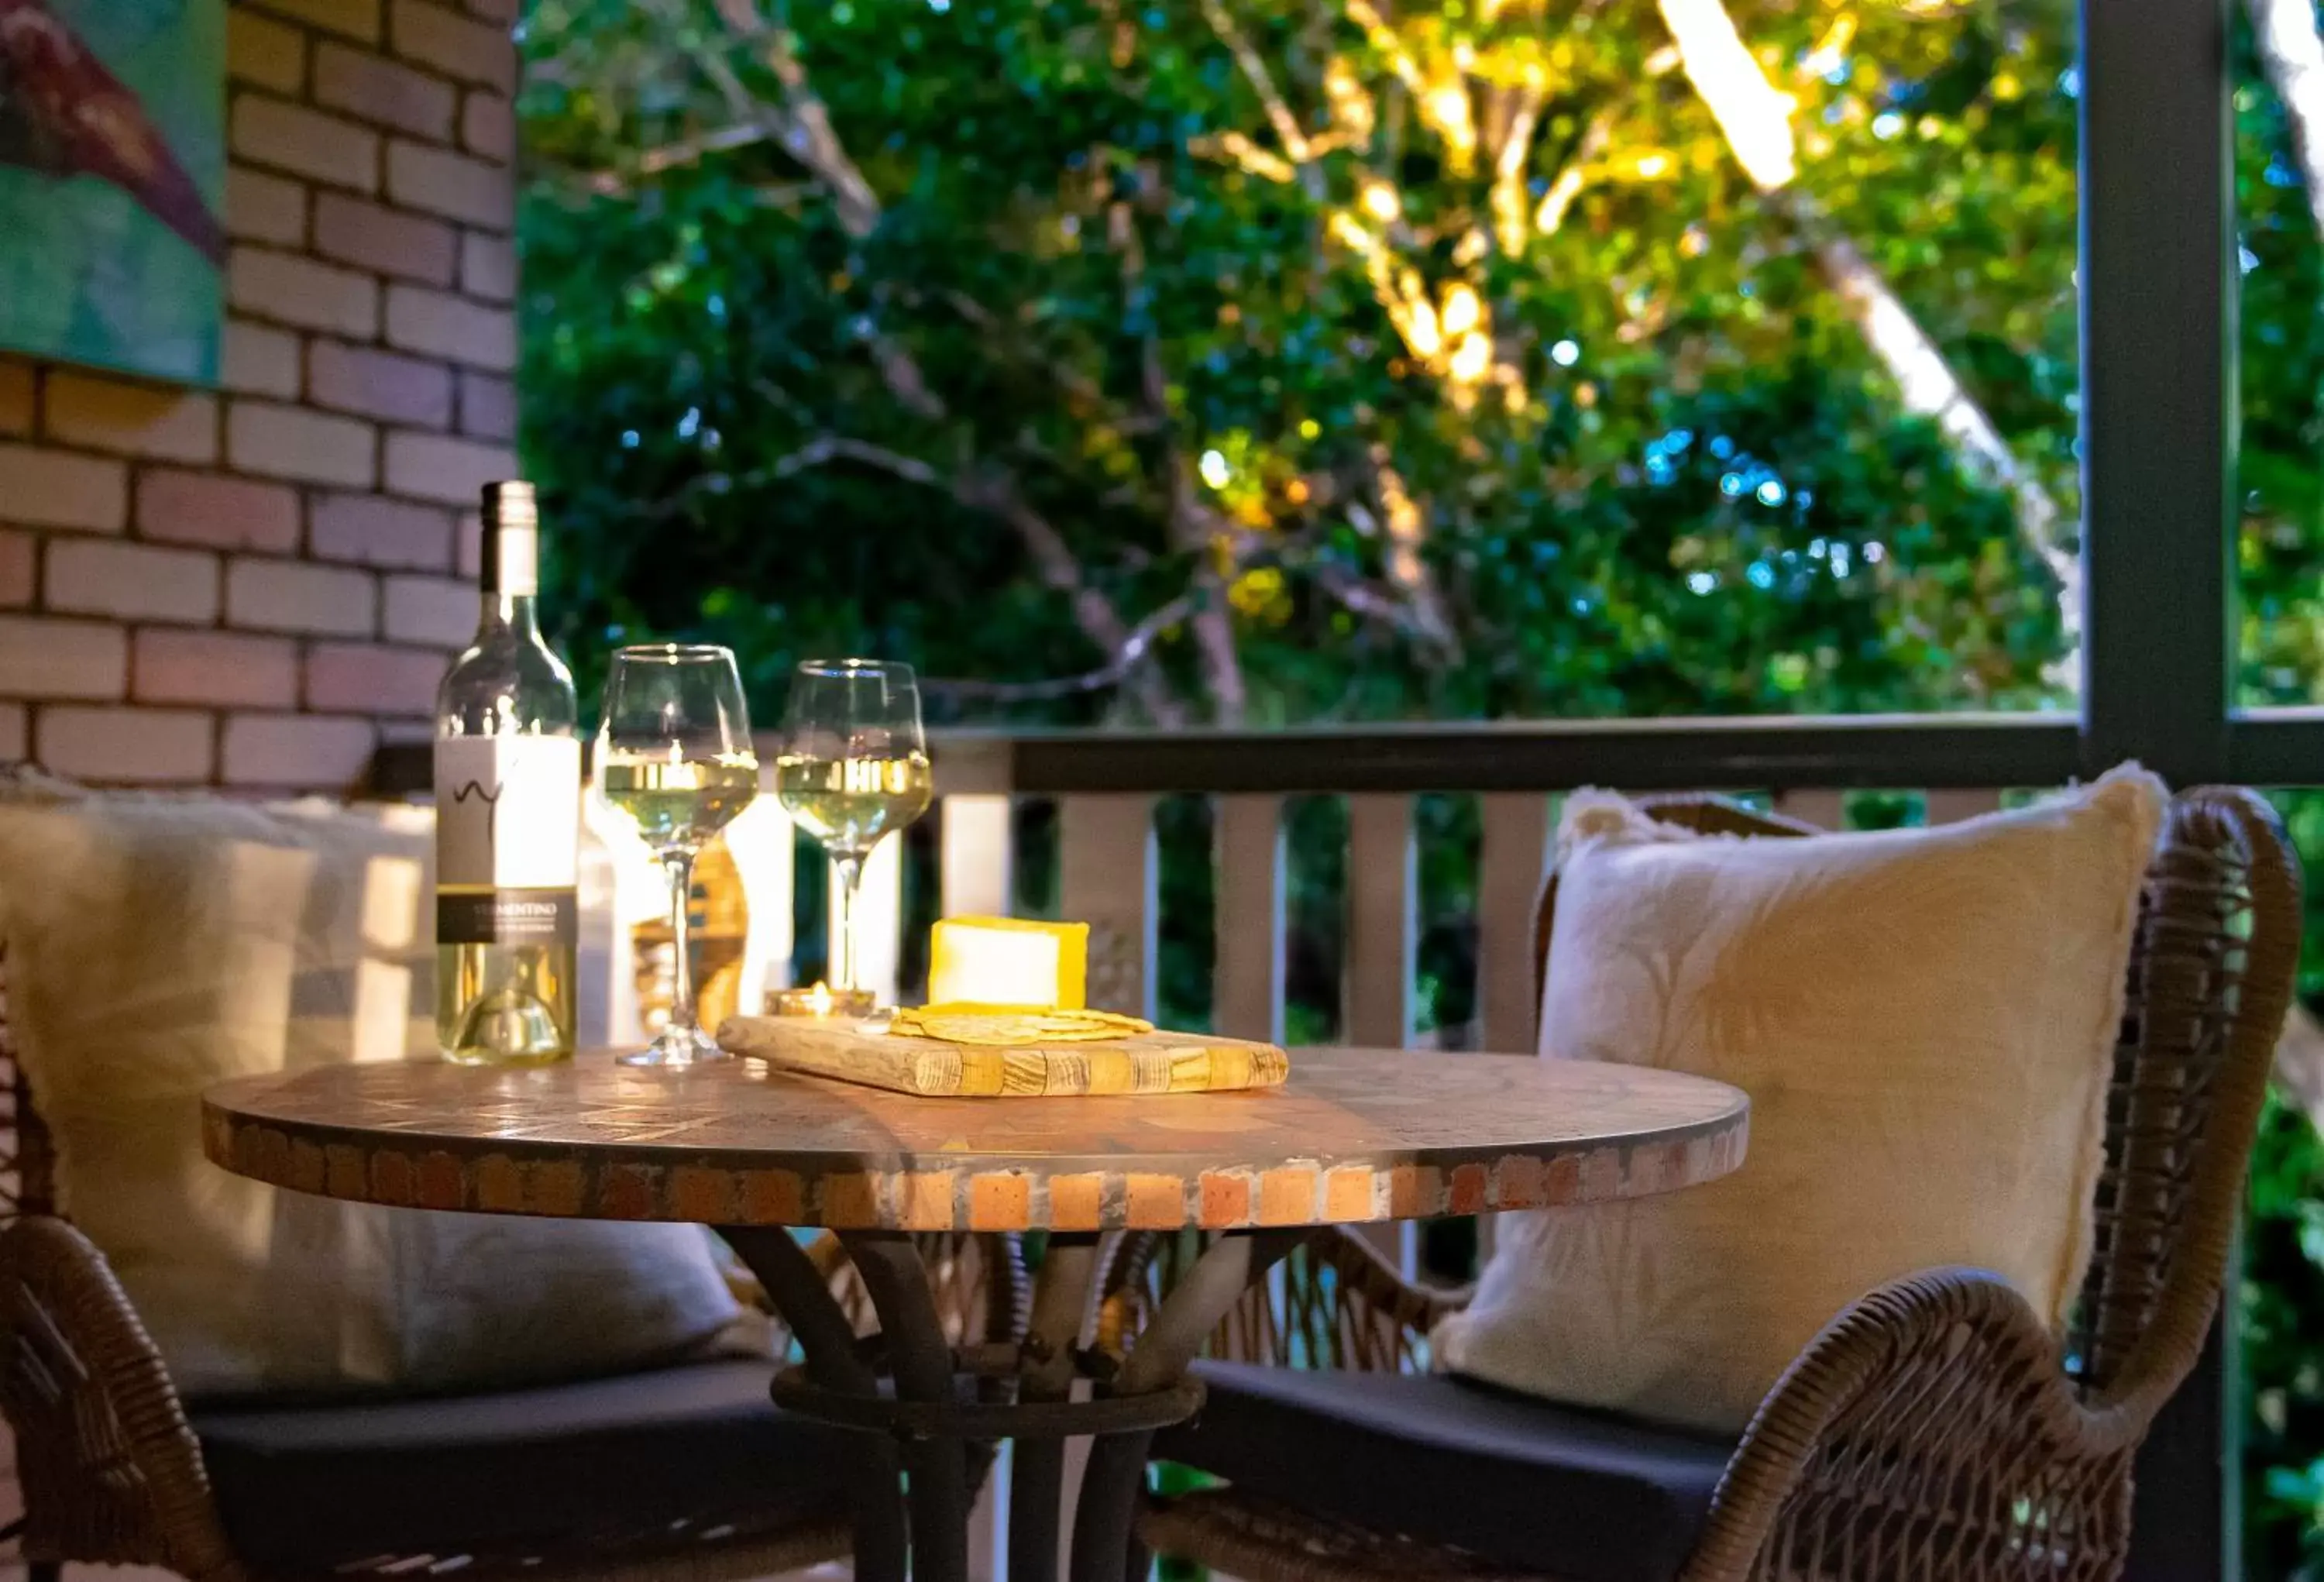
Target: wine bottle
[{"x": 508, "y": 807}]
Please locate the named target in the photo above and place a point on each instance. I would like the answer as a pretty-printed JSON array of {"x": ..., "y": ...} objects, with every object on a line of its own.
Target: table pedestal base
[{"x": 939, "y": 1407}]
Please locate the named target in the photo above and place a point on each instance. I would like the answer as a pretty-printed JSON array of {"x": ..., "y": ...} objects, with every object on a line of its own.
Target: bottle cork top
[
  {"x": 510, "y": 504},
  {"x": 512, "y": 546}
]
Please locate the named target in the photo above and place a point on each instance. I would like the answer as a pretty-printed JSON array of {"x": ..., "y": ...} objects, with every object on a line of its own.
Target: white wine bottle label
[
  {"x": 508, "y": 812},
  {"x": 507, "y": 917}
]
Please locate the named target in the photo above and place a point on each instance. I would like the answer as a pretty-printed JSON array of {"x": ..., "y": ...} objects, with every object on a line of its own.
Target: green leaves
[{"x": 1094, "y": 295}]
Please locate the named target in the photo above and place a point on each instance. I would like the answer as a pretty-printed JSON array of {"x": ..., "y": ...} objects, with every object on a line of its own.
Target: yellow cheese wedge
[{"x": 1005, "y": 961}]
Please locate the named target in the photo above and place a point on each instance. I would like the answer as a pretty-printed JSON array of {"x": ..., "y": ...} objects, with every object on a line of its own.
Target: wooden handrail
[{"x": 1936, "y": 752}]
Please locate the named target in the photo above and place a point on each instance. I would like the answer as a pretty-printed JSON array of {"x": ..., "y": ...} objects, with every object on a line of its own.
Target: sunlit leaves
[{"x": 1051, "y": 209}]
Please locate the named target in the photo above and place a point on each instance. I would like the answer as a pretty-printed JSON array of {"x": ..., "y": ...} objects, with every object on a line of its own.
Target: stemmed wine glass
[
  {"x": 853, "y": 768},
  {"x": 674, "y": 756}
]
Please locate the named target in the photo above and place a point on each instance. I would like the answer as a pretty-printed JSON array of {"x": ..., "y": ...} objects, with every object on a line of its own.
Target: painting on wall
[{"x": 112, "y": 183}]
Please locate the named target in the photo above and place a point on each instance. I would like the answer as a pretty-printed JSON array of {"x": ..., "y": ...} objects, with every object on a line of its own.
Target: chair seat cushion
[
  {"x": 546, "y": 1469},
  {"x": 1583, "y": 1495}
]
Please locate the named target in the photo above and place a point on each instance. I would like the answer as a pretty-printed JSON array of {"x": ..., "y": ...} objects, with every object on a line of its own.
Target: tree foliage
[{"x": 1288, "y": 362}]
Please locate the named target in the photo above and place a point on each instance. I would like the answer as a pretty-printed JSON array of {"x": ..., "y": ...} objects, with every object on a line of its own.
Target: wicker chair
[
  {"x": 679, "y": 1475},
  {"x": 1936, "y": 1428}
]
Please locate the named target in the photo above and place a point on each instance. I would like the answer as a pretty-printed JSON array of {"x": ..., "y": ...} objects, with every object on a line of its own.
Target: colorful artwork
[{"x": 112, "y": 181}]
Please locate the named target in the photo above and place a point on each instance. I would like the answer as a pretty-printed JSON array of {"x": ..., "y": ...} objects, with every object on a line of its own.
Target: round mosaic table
[{"x": 1354, "y": 1136}]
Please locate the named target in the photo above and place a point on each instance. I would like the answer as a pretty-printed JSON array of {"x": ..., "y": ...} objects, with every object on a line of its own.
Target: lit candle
[{"x": 821, "y": 1002}]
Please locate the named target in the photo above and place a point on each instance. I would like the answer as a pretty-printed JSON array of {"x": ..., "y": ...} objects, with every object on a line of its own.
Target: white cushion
[
  {"x": 1924, "y": 1020},
  {"x": 158, "y": 945}
]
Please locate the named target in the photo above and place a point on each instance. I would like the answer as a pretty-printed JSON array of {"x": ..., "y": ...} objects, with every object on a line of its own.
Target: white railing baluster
[
  {"x": 879, "y": 919},
  {"x": 1950, "y": 807},
  {"x": 1107, "y": 873},
  {"x": 1377, "y": 991},
  {"x": 1513, "y": 858},
  {"x": 1826, "y": 810},
  {"x": 1246, "y": 971},
  {"x": 761, "y": 841},
  {"x": 976, "y": 837},
  {"x": 1376, "y": 988},
  {"x": 620, "y": 887}
]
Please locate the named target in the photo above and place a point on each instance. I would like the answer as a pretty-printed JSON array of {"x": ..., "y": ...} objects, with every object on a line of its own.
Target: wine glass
[
  {"x": 854, "y": 769},
  {"x": 674, "y": 756}
]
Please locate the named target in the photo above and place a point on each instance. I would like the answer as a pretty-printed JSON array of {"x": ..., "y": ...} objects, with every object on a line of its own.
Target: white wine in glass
[
  {"x": 853, "y": 769},
  {"x": 847, "y": 804},
  {"x": 674, "y": 757},
  {"x": 680, "y": 804}
]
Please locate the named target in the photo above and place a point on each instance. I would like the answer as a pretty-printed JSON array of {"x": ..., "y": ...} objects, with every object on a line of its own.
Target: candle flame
[{"x": 818, "y": 999}]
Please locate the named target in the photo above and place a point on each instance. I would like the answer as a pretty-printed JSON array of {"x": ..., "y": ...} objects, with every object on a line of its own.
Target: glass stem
[
  {"x": 849, "y": 872},
  {"x": 680, "y": 867}
]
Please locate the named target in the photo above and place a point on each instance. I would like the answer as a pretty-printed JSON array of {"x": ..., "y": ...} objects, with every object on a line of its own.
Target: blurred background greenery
[{"x": 1302, "y": 361}]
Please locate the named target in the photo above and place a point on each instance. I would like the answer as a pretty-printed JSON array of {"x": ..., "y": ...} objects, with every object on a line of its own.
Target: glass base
[{"x": 678, "y": 1046}]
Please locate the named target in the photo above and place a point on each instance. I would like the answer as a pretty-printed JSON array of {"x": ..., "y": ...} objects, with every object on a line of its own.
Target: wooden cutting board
[{"x": 1153, "y": 1062}]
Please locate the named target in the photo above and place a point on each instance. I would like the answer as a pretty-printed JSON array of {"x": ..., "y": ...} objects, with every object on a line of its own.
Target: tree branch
[
  {"x": 1510, "y": 160},
  {"x": 1383, "y": 39},
  {"x": 1237, "y": 150},
  {"x": 1360, "y": 598},
  {"x": 1254, "y": 69},
  {"x": 1407, "y": 532},
  {"x": 830, "y": 448},
  {"x": 997, "y": 495},
  {"x": 1135, "y": 652},
  {"x": 2292, "y": 55},
  {"x": 1573, "y": 174},
  {"x": 1440, "y": 91},
  {"x": 1756, "y": 118},
  {"x": 803, "y": 123},
  {"x": 653, "y": 162},
  {"x": 1757, "y": 122},
  {"x": 805, "y": 128},
  {"x": 1193, "y": 525},
  {"x": 1296, "y": 145}
]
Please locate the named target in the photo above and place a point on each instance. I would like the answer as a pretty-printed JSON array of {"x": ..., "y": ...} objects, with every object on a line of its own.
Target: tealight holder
[{"x": 821, "y": 1001}]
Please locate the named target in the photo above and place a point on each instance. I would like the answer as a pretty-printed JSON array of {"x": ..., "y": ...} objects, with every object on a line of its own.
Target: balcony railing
[{"x": 1105, "y": 787}]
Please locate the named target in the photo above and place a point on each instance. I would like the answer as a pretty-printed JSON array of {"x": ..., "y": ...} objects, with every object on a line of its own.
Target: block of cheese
[{"x": 1003, "y": 961}]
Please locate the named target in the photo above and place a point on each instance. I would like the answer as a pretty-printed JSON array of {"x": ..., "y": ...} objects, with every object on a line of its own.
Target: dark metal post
[
  {"x": 936, "y": 1467},
  {"x": 2158, "y": 278},
  {"x": 2186, "y": 1514},
  {"x": 1105, "y": 1520},
  {"x": 1061, "y": 1301},
  {"x": 824, "y": 1334},
  {"x": 805, "y": 1303},
  {"x": 2158, "y": 436}
]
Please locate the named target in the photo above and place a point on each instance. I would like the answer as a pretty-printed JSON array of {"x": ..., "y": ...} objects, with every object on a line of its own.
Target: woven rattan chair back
[
  {"x": 2211, "y": 970},
  {"x": 27, "y": 1174}
]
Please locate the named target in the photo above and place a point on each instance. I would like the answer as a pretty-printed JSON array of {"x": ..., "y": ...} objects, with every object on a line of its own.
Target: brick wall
[{"x": 253, "y": 587}]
